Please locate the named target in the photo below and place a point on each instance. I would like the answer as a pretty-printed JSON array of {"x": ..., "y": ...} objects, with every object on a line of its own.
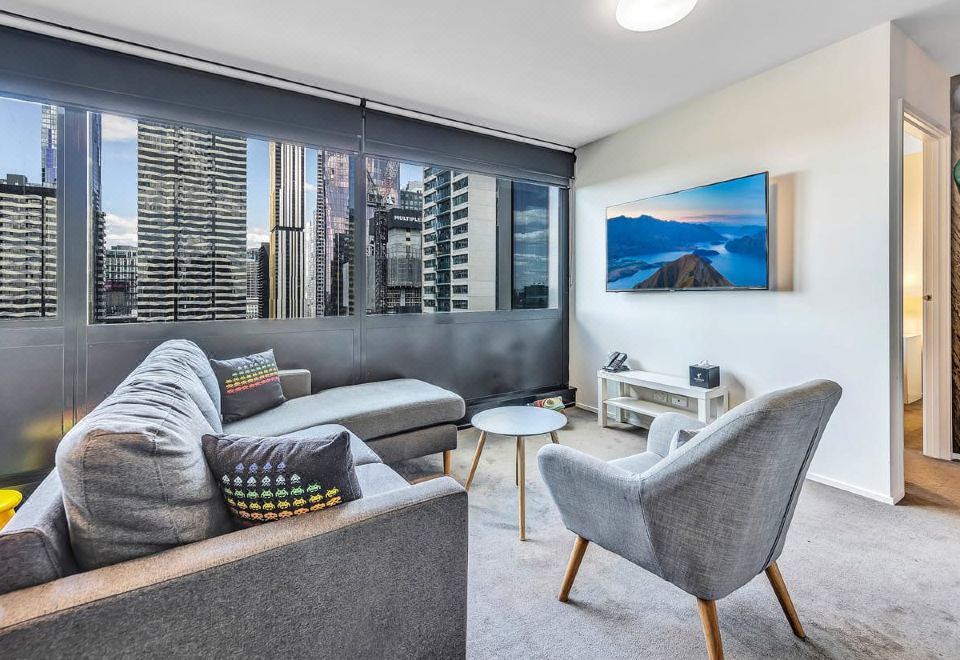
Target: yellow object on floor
[{"x": 9, "y": 499}]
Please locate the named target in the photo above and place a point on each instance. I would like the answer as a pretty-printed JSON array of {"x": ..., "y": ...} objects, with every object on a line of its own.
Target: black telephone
[{"x": 615, "y": 362}]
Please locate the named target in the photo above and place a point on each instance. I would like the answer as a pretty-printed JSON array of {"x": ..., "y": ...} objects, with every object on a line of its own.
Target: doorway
[{"x": 924, "y": 375}]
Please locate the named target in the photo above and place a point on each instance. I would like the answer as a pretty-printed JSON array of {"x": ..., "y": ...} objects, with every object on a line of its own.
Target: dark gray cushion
[
  {"x": 267, "y": 479},
  {"x": 371, "y": 410},
  {"x": 248, "y": 385},
  {"x": 35, "y": 545},
  {"x": 362, "y": 454},
  {"x": 134, "y": 478}
]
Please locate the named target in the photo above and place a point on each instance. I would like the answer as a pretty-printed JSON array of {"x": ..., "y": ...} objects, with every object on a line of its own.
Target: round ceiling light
[{"x": 649, "y": 15}]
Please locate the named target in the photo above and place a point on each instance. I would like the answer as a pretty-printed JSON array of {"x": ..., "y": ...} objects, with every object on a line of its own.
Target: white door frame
[{"x": 937, "y": 340}]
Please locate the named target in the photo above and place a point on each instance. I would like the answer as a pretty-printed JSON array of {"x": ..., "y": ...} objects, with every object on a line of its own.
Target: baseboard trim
[
  {"x": 850, "y": 488},
  {"x": 584, "y": 406}
]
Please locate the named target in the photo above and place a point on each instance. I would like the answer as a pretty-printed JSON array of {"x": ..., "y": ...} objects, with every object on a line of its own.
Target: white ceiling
[{"x": 558, "y": 70}]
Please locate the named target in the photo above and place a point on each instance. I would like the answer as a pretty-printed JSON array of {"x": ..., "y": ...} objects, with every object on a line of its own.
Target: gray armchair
[{"x": 707, "y": 516}]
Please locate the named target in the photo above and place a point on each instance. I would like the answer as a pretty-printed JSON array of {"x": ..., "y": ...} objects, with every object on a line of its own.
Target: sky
[
  {"x": 740, "y": 201},
  {"x": 20, "y": 139}
]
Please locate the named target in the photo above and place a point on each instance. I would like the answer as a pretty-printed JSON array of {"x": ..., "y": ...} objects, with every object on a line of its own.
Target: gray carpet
[{"x": 869, "y": 580}]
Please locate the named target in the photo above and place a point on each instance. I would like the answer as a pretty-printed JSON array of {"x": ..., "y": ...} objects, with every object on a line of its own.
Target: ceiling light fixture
[{"x": 649, "y": 15}]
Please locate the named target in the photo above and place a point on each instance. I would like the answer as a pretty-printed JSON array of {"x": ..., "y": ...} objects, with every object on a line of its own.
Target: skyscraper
[
  {"x": 394, "y": 240},
  {"x": 334, "y": 234},
  {"x": 28, "y": 248},
  {"x": 191, "y": 225},
  {"x": 258, "y": 282},
  {"x": 98, "y": 227},
  {"x": 118, "y": 295},
  {"x": 286, "y": 231},
  {"x": 48, "y": 145},
  {"x": 28, "y": 232},
  {"x": 396, "y": 259},
  {"x": 460, "y": 241}
]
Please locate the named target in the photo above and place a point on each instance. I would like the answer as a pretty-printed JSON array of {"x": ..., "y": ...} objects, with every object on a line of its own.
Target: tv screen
[{"x": 711, "y": 237}]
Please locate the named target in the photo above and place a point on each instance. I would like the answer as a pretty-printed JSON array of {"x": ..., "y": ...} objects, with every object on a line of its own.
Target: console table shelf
[{"x": 710, "y": 403}]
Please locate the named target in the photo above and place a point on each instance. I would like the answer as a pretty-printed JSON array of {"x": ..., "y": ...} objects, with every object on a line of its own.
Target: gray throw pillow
[
  {"x": 248, "y": 385},
  {"x": 267, "y": 479},
  {"x": 680, "y": 438}
]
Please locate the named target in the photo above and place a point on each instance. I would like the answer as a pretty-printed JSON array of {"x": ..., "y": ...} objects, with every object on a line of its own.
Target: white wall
[
  {"x": 924, "y": 89},
  {"x": 822, "y": 126}
]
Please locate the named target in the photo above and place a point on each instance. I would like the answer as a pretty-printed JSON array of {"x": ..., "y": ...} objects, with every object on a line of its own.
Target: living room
[{"x": 501, "y": 330}]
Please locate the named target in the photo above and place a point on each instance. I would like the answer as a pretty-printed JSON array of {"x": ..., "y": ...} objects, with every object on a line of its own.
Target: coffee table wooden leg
[
  {"x": 516, "y": 464},
  {"x": 476, "y": 459},
  {"x": 521, "y": 478},
  {"x": 554, "y": 438}
]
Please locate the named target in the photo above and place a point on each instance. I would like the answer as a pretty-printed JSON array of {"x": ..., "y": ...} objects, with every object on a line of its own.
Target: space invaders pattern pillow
[
  {"x": 267, "y": 479},
  {"x": 248, "y": 385}
]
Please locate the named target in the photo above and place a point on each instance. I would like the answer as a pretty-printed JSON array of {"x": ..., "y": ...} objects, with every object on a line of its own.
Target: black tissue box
[{"x": 705, "y": 377}]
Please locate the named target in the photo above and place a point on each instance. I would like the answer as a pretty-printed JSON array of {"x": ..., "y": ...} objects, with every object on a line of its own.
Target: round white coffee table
[{"x": 520, "y": 422}]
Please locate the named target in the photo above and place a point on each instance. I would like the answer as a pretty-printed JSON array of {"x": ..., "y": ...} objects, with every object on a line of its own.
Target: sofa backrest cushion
[
  {"x": 35, "y": 545},
  {"x": 186, "y": 361},
  {"x": 134, "y": 478}
]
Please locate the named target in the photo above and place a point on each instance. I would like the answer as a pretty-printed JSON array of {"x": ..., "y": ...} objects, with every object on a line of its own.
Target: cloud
[
  {"x": 118, "y": 129},
  {"x": 120, "y": 230},
  {"x": 309, "y": 187},
  {"x": 256, "y": 236},
  {"x": 535, "y": 235}
]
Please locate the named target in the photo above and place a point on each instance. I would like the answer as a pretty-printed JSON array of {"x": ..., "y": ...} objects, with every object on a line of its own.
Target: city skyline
[{"x": 187, "y": 205}]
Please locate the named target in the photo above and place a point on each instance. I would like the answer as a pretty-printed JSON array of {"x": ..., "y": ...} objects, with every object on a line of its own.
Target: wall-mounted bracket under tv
[{"x": 714, "y": 237}]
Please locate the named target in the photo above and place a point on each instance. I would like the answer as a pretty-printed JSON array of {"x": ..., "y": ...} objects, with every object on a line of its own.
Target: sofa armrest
[
  {"x": 384, "y": 576},
  {"x": 295, "y": 382}
]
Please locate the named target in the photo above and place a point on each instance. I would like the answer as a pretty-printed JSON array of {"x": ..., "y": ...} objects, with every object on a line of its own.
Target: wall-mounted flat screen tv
[{"x": 701, "y": 239}]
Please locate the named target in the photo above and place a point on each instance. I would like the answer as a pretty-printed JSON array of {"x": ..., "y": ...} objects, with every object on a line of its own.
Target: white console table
[{"x": 710, "y": 403}]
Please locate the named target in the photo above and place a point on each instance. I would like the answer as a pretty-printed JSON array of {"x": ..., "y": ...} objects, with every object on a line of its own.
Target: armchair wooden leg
[
  {"x": 780, "y": 589},
  {"x": 711, "y": 628},
  {"x": 447, "y": 461},
  {"x": 579, "y": 547}
]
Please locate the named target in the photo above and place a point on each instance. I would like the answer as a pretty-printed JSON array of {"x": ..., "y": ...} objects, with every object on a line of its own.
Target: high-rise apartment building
[
  {"x": 258, "y": 282},
  {"x": 28, "y": 248},
  {"x": 286, "y": 231},
  {"x": 333, "y": 268},
  {"x": 191, "y": 225},
  {"x": 459, "y": 241},
  {"x": 118, "y": 293}
]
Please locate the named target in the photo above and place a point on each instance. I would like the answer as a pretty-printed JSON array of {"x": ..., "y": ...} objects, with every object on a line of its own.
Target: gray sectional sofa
[{"x": 382, "y": 576}]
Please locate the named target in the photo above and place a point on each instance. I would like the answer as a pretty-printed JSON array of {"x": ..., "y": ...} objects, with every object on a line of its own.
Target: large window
[
  {"x": 428, "y": 226},
  {"x": 28, "y": 209},
  {"x": 191, "y": 224}
]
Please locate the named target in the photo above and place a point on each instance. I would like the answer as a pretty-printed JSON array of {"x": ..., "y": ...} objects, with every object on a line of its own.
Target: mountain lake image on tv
[{"x": 712, "y": 237}]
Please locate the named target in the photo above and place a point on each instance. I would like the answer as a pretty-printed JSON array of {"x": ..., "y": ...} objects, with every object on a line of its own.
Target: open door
[{"x": 924, "y": 322}]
